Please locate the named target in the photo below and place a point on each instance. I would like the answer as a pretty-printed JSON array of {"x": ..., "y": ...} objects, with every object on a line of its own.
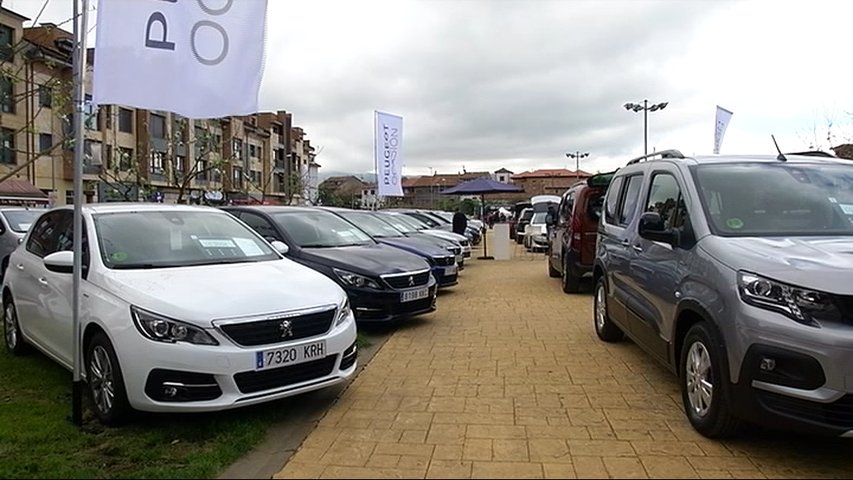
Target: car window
[
  {"x": 176, "y": 238},
  {"x": 629, "y": 202},
  {"x": 538, "y": 218},
  {"x": 594, "y": 202},
  {"x": 665, "y": 199},
  {"x": 21, "y": 220},
  {"x": 567, "y": 207},
  {"x": 319, "y": 229},
  {"x": 372, "y": 225},
  {"x": 260, "y": 225},
  {"x": 612, "y": 202},
  {"x": 403, "y": 223},
  {"x": 49, "y": 234}
]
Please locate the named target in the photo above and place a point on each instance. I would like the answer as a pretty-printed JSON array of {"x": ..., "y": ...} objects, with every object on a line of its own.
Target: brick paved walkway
[{"x": 508, "y": 380}]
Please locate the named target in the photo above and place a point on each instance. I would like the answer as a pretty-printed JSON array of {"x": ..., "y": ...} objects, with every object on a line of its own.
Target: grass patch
[
  {"x": 37, "y": 440},
  {"x": 361, "y": 341}
]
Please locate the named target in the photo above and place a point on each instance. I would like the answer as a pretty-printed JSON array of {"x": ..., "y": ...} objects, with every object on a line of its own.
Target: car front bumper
[
  {"x": 224, "y": 376},
  {"x": 387, "y": 305}
]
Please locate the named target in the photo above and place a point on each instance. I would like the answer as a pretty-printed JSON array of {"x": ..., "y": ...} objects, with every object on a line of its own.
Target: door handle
[
  {"x": 626, "y": 242},
  {"x": 42, "y": 281},
  {"x": 637, "y": 248},
  {"x": 19, "y": 266}
]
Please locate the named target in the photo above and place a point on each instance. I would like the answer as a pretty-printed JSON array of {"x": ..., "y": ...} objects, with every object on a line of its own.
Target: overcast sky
[{"x": 485, "y": 84}]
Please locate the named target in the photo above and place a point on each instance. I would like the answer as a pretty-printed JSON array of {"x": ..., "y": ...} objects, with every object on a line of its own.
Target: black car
[
  {"x": 441, "y": 260},
  {"x": 383, "y": 283}
]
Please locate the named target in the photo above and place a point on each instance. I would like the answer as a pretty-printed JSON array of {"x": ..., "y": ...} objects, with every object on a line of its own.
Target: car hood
[
  {"x": 445, "y": 234},
  {"x": 204, "y": 293},
  {"x": 416, "y": 246},
  {"x": 372, "y": 260},
  {"x": 820, "y": 263}
]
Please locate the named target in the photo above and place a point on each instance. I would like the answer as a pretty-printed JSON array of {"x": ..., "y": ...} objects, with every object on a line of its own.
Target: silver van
[{"x": 736, "y": 272}]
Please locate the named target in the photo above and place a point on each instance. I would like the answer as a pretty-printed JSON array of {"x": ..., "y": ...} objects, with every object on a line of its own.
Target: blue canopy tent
[{"x": 481, "y": 186}]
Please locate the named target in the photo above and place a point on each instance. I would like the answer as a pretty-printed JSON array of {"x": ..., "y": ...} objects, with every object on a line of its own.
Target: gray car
[
  {"x": 14, "y": 223},
  {"x": 735, "y": 272}
]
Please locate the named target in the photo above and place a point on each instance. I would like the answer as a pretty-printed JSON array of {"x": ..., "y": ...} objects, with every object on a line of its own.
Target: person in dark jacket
[{"x": 460, "y": 222}]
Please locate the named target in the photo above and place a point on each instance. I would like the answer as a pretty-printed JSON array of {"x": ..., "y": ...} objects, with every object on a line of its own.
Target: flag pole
[{"x": 79, "y": 71}]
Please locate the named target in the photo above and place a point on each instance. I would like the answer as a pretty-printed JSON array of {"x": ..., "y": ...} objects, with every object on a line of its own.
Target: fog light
[
  {"x": 767, "y": 364},
  {"x": 170, "y": 392}
]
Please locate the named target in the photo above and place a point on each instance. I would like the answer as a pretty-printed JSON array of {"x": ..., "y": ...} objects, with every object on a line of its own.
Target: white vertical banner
[
  {"x": 720, "y": 125},
  {"x": 199, "y": 58},
  {"x": 388, "y": 150}
]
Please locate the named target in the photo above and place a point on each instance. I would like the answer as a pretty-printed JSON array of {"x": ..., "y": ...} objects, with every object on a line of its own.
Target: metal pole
[
  {"x": 79, "y": 72},
  {"x": 577, "y": 166},
  {"x": 645, "y": 127}
]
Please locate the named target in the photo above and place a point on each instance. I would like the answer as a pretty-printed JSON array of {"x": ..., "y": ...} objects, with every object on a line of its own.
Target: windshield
[
  {"x": 161, "y": 239},
  {"x": 405, "y": 223},
  {"x": 20, "y": 220},
  {"x": 538, "y": 218},
  {"x": 319, "y": 229},
  {"x": 372, "y": 225},
  {"x": 776, "y": 199},
  {"x": 525, "y": 215}
]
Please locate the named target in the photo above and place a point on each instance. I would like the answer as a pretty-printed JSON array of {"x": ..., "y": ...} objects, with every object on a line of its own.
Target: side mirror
[
  {"x": 280, "y": 247},
  {"x": 60, "y": 262},
  {"x": 651, "y": 227}
]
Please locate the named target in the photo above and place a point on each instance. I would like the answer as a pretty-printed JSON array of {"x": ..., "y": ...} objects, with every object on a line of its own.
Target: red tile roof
[
  {"x": 554, "y": 172},
  {"x": 20, "y": 188}
]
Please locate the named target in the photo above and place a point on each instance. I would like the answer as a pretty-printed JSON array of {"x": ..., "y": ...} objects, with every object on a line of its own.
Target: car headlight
[
  {"x": 162, "y": 329},
  {"x": 344, "y": 312},
  {"x": 800, "y": 304},
  {"x": 356, "y": 280}
]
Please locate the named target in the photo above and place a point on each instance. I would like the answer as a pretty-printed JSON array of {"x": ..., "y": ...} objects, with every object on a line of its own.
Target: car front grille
[
  {"x": 251, "y": 382},
  {"x": 454, "y": 250},
  {"x": 264, "y": 332},
  {"x": 407, "y": 280},
  {"x": 445, "y": 261},
  {"x": 838, "y": 413}
]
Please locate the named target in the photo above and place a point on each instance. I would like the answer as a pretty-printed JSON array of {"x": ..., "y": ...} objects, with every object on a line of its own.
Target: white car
[
  {"x": 183, "y": 309},
  {"x": 536, "y": 232}
]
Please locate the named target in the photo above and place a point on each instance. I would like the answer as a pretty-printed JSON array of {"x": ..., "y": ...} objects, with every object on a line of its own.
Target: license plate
[
  {"x": 451, "y": 270},
  {"x": 413, "y": 295},
  {"x": 284, "y": 356}
]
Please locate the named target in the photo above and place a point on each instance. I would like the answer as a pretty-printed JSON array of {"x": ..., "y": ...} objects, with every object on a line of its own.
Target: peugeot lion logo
[
  {"x": 286, "y": 328},
  {"x": 411, "y": 281}
]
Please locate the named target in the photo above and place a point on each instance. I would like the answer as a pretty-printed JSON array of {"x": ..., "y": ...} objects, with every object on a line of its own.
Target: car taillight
[{"x": 577, "y": 234}]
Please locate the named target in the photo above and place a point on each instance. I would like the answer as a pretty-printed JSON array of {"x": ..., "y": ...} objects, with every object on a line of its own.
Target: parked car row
[
  {"x": 198, "y": 309},
  {"x": 733, "y": 272}
]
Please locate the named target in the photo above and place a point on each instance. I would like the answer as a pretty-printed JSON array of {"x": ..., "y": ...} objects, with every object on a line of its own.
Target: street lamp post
[
  {"x": 645, "y": 108},
  {"x": 577, "y": 156}
]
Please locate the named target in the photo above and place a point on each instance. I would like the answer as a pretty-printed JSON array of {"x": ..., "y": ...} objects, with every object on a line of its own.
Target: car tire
[
  {"x": 105, "y": 381},
  {"x": 552, "y": 272},
  {"x": 702, "y": 363},
  {"x": 604, "y": 327},
  {"x": 15, "y": 343},
  {"x": 571, "y": 282},
  {"x": 519, "y": 239}
]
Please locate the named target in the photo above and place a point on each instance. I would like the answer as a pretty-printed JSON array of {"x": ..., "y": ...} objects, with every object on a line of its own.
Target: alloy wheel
[
  {"x": 10, "y": 326},
  {"x": 600, "y": 308},
  {"x": 699, "y": 379},
  {"x": 103, "y": 390}
]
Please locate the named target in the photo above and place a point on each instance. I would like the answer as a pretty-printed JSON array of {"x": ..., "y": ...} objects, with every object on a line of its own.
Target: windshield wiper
[{"x": 144, "y": 266}]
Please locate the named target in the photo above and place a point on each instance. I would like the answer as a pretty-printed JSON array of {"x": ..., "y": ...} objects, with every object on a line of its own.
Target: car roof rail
[{"x": 661, "y": 154}]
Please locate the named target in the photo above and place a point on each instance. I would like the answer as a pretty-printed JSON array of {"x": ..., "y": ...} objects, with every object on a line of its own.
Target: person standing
[{"x": 460, "y": 222}]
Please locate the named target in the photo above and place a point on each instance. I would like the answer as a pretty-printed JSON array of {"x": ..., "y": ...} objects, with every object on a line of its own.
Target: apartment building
[
  {"x": 134, "y": 154},
  {"x": 548, "y": 181}
]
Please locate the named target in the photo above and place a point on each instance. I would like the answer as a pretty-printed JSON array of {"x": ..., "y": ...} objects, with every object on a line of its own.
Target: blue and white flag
[
  {"x": 388, "y": 150},
  {"x": 199, "y": 59},
  {"x": 720, "y": 125}
]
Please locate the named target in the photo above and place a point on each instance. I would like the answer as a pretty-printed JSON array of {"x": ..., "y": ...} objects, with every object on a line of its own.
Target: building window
[
  {"x": 125, "y": 158},
  {"x": 45, "y": 96},
  {"x": 276, "y": 129},
  {"x": 108, "y": 116},
  {"x": 238, "y": 148},
  {"x": 7, "y": 42},
  {"x": 201, "y": 170},
  {"x": 108, "y": 156},
  {"x": 7, "y": 147},
  {"x": 93, "y": 117},
  {"x": 7, "y": 95},
  {"x": 157, "y": 126},
  {"x": 125, "y": 120},
  {"x": 156, "y": 162},
  {"x": 45, "y": 142},
  {"x": 237, "y": 178},
  {"x": 180, "y": 162}
]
